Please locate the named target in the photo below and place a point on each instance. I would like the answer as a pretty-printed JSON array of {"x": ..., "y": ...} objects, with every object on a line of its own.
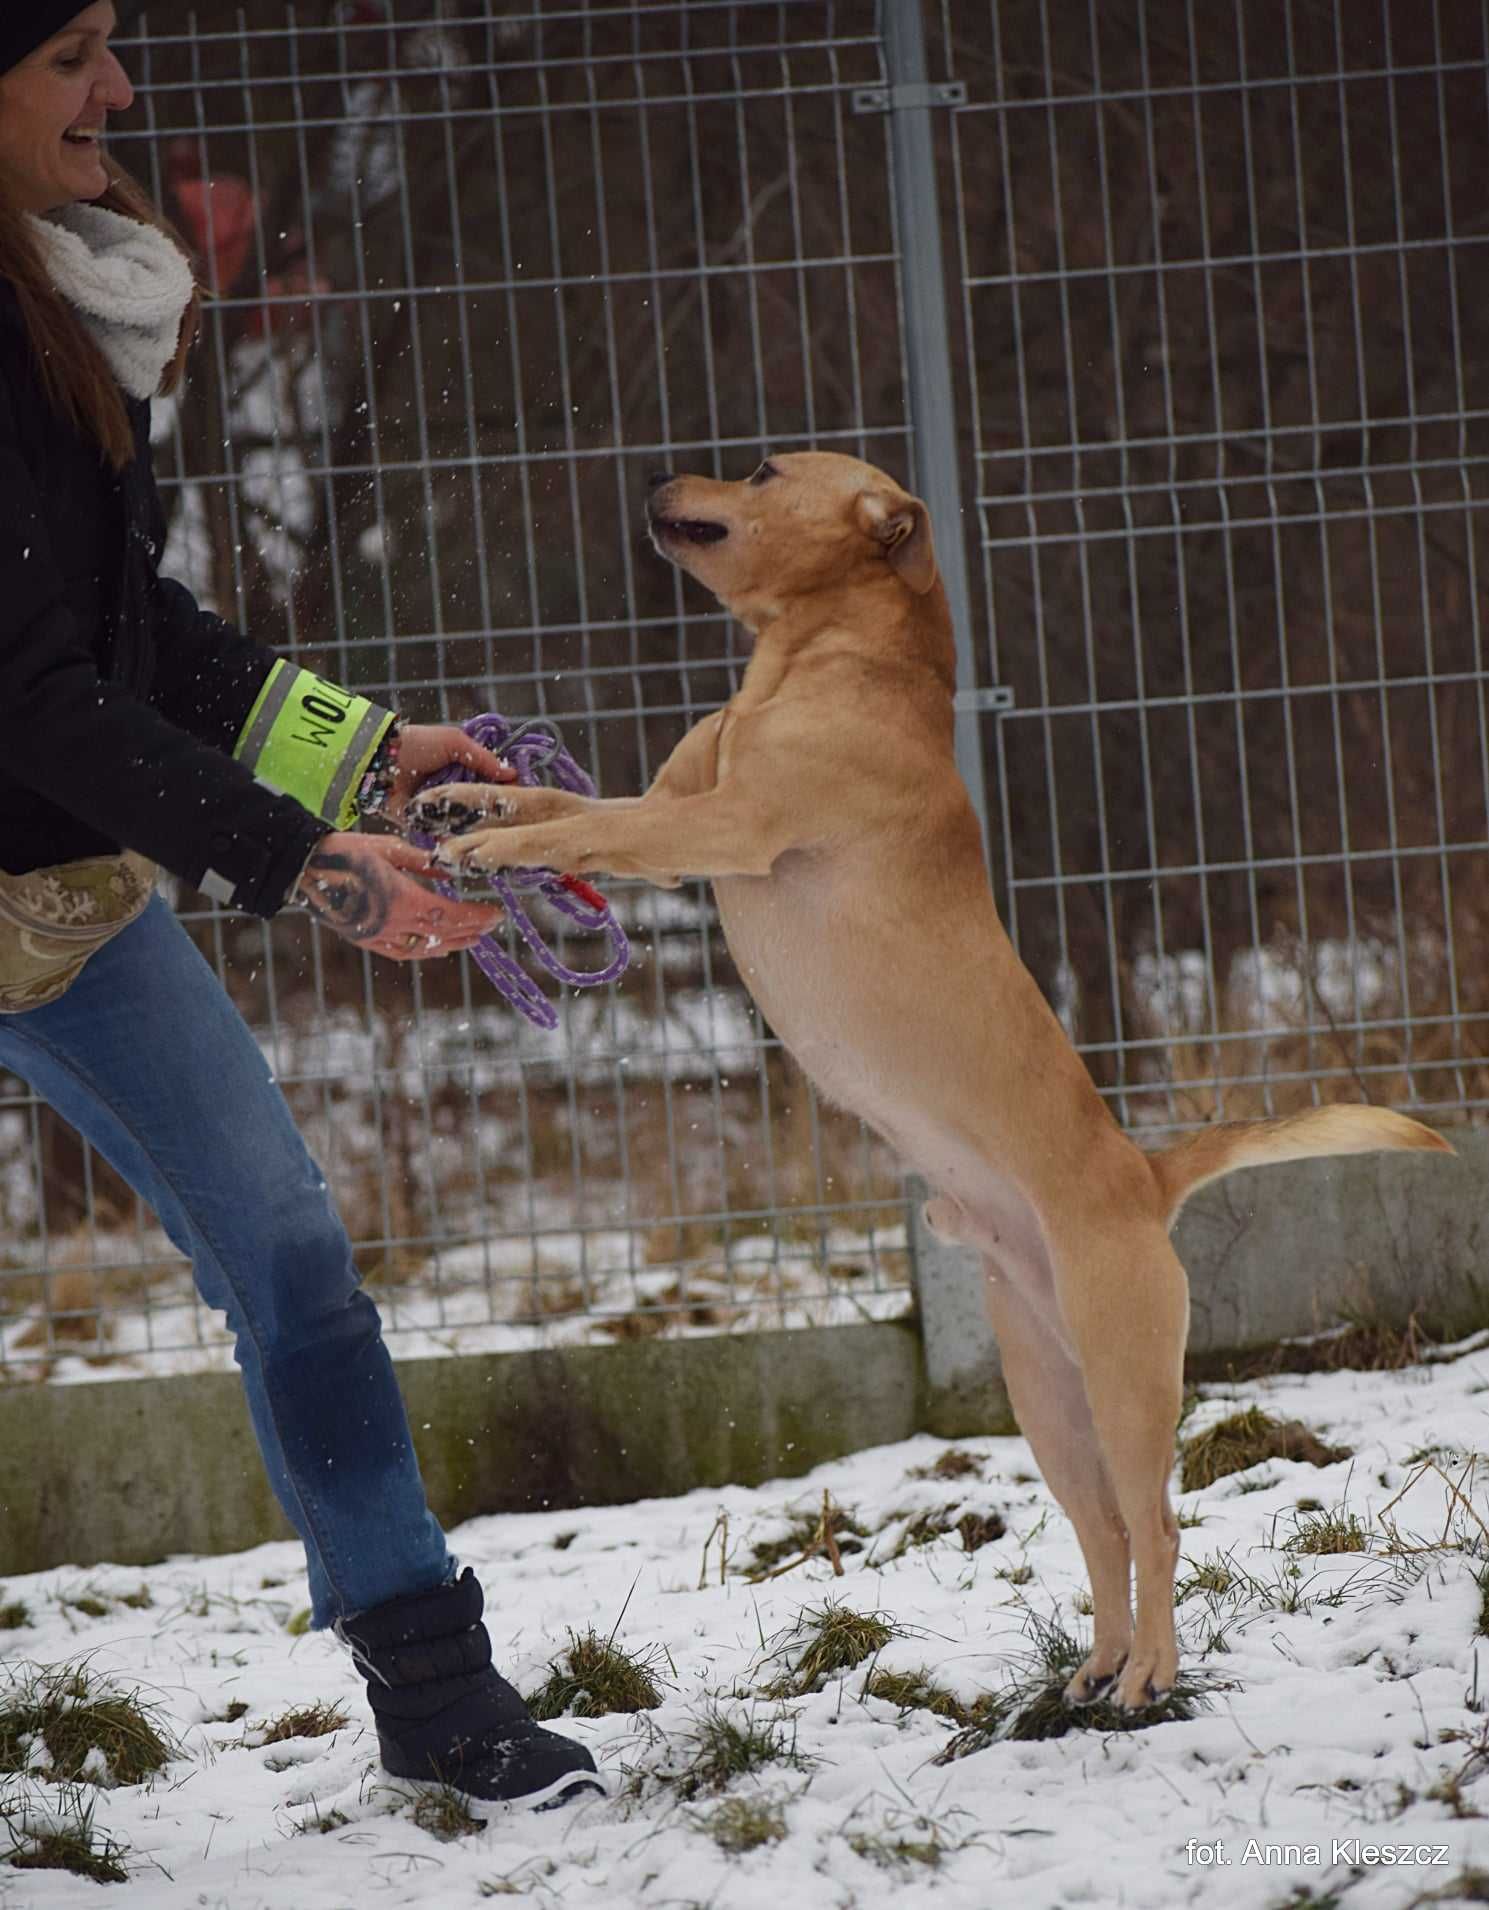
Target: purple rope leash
[{"x": 536, "y": 751}]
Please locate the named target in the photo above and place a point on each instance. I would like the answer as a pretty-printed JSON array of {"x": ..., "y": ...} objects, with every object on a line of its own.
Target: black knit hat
[{"x": 24, "y": 27}]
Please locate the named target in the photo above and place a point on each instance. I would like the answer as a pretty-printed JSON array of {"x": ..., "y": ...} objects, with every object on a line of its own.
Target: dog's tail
[{"x": 1295, "y": 1137}]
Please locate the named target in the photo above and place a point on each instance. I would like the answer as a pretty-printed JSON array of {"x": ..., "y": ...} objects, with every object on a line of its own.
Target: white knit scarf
[{"x": 128, "y": 283}]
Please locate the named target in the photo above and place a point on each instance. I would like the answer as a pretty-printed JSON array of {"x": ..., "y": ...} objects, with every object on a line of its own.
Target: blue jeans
[{"x": 148, "y": 1059}]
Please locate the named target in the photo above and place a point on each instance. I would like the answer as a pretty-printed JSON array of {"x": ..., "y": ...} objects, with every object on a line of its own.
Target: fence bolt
[{"x": 885, "y": 99}]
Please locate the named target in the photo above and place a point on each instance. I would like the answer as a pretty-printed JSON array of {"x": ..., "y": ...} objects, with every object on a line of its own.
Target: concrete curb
[{"x": 134, "y": 1471}]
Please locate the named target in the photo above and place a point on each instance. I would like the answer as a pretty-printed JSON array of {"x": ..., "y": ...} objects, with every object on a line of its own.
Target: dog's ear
[{"x": 902, "y": 528}]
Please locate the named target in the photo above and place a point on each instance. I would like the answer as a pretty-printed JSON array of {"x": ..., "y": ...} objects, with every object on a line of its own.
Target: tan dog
[{"x": 824, "y": 802}]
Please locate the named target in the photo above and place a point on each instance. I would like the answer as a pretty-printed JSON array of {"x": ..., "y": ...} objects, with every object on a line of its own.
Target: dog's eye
[{"x": 764, "y": 473}]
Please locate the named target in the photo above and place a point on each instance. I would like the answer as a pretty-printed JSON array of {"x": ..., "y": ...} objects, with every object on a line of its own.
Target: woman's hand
[
  {"x": 425, "y": 748},
  {"x": 364, "y": 888}
]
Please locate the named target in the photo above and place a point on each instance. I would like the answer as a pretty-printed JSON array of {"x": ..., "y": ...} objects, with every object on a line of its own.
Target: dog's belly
[
  {"x": 884, "y": 1035},
  {"x": 802, "y": 965}
]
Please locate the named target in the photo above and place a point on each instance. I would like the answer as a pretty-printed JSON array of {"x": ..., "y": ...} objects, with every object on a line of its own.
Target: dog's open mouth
[{"x": 691, "y": 530}]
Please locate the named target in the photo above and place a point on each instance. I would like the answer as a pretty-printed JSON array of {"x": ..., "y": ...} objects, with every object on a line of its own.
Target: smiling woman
[
  {"x": 140, "y": 730},
  {"x": 59, "y": 82},
  {"x": 55, "y": 103}
]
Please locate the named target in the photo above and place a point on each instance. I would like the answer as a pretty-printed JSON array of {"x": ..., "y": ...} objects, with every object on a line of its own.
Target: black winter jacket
[{"x": 120, "y": 698}]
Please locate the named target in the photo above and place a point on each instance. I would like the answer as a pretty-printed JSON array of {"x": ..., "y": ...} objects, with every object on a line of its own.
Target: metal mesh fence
[
  {"x": 1215, "y": 276},
  {"x": 1221, "y": 269},
  {"x": 476, "y": 271}
]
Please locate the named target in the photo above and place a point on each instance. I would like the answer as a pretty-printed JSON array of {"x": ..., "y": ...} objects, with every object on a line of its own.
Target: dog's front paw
[
  {"x": 1088, "y": 1687},
  {"x": 1143, "y": 1684},
  {"x": 457, "y": 808},
  {"x": 1099, "y": 1673},
  {"x": 475, "y": 847}
]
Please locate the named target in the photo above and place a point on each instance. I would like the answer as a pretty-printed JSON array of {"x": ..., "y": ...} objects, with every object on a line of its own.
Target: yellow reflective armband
[{"x": 308, "y": 738}]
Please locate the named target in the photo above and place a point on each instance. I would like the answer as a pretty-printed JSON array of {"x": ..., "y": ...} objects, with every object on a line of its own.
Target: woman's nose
[{"x": 114, "y": 91}]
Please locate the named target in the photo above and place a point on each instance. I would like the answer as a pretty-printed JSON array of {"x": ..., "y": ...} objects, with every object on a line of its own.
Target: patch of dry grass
[
  {"x": 741, "y": 1824},
  {"x": 1246, "y": 1439},
  {"x": 62, "y": 1837},
  {"x": 594, "y": 1677},
  {"x": 974, "y": 1529},
  {"x": 954, "y": 1463},
  {"x": 831, "y": 1533},
  {"x": 824, "y": 1642},
  {"x": 917, "y": 1691},
  {"x": 86, "y": 1730},
  {"x": 446, "y": 1814},
  {"x": 725, "y": 1746},
  {"x": 1032, "y": 1701},
  {"x": 319, "y": 1720},
  {"x": 1324, "y": 1533},
  {"x": 1363, "y": 1344}
]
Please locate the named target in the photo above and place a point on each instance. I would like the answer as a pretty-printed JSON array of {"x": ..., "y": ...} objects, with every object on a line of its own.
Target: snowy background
[{"x": 1352, "y": 1699}]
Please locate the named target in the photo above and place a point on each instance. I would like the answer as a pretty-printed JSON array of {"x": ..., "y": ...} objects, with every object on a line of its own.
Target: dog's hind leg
[
  {"x": 1049, "y": 1400},
  {"x": 1125, "y": 1303}
]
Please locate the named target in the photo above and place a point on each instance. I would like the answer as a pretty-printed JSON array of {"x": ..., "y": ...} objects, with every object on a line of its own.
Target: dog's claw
[
  {"x": 442, "y": 815},
  {"x": 1144, "y": 1698},
  {"x": 446, "y": 812},
  {"x": 1090, "y": 1687},
  {"x": 1092, "y": 1691}
]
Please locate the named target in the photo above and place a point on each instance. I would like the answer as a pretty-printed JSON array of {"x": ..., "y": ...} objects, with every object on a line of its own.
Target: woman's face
[{"x": 53, "y": 109}]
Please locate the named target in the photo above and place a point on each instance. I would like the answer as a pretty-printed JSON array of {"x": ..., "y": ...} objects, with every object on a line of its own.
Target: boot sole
[{"x": 567, "y": 1789}]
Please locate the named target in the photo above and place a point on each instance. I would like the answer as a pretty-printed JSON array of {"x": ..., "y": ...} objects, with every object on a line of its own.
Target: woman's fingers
[
  {"x": 427, "y": 923},
  {"x": 490, "y": 768},
  {"x": 404, "y": 855}
]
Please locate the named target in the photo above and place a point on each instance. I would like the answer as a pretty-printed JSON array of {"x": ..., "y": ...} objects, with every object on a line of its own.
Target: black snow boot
[{"x": 442, "y": 1712}]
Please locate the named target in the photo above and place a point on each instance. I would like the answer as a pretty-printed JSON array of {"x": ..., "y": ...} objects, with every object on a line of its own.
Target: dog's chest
[{"x": 797, "y": 951}]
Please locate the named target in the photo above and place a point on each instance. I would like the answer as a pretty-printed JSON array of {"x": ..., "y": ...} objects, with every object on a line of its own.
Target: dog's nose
[{"x": 656, "y": 479}]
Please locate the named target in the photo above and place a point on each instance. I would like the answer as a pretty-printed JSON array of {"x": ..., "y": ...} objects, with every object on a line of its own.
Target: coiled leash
[{"x": 535, "y": 749}]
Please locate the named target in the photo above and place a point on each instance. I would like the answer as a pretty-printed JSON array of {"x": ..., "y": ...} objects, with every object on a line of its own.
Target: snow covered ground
[{"x": 1354, "y": 1709}]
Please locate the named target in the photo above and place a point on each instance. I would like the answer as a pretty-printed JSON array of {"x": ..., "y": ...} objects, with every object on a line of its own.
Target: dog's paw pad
[{"x": 449, "y": 812}]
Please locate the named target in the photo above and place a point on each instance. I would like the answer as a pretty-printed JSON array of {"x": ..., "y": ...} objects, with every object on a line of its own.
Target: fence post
[
  {"x": 964, "y": 1376},
  {"x": 910, "y": 101},
  {"x": 962, "y": 1370}
]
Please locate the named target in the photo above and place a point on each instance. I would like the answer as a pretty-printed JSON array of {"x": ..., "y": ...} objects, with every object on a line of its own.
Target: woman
[{"x": 138, "y": 731}]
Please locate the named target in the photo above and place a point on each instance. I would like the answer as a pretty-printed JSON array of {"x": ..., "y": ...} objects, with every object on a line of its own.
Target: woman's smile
[{"x": 54, "y": 110}]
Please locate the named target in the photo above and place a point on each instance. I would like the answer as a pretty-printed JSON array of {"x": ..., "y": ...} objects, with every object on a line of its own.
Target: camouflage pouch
[{"x": 52, "y": 920}]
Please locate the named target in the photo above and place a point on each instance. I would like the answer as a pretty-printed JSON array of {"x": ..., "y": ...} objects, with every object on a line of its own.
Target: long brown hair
[{"x": 74, "y": 372}]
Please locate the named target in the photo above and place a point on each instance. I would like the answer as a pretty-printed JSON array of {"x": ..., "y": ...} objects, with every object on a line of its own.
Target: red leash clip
[{"x": 586, "y": 891}]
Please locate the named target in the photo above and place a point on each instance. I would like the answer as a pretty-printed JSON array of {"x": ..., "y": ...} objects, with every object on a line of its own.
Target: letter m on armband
[{"x": 308, "y": 738}]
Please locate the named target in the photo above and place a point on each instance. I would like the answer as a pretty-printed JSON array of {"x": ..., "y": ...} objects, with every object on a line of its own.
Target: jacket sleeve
[
  {"x": 298, "y": 732},
  {"x": 207, "y": 673},
  {"x": 113, "y": 760}
]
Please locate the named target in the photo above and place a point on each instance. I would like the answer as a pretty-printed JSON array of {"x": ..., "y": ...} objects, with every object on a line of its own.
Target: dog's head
[{"x": 802, "y": 522}]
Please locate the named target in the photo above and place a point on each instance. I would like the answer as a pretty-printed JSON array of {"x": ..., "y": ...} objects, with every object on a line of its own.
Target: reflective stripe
[
  {"x": 309, "y": 738},
  {"x": 216, "y": 887},
  {"x": 343, "y": 790},
  {"x": 265, "y": 713}
]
